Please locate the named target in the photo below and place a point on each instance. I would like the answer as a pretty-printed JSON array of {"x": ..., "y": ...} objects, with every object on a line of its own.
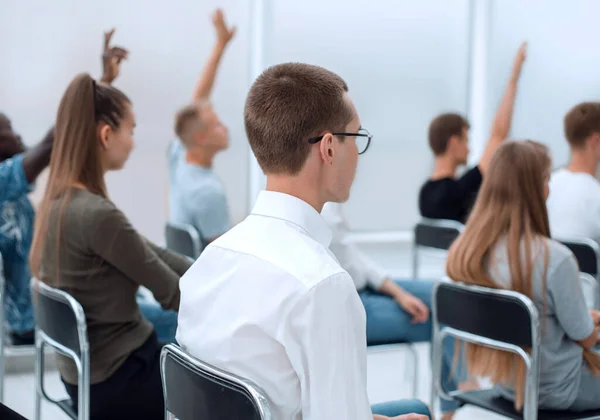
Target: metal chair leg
[
  {"x": 415, "y": 368},
  {"x": 39, "y": 376}
]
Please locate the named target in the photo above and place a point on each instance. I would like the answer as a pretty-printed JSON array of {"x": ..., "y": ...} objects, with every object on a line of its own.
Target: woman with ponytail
[
  {"x": 506, "y": 244},
  {"x": 85, "y": 246}
]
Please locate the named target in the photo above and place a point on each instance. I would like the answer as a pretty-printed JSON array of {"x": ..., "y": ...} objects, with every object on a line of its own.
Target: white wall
[
  {"x": 561, "y": 68},
  {"x": 44, "y": 44}
]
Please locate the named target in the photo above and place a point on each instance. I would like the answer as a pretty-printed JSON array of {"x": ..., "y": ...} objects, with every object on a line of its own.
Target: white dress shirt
[
  {"x": 364, "y": 271},
  {"x": 574, "y": 205},
  {"x": 269, "y": 302}
]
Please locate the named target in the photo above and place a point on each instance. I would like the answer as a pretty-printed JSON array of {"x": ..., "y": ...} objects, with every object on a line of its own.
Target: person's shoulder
[
  {"x": 558, "y": 253},
  {"x": 280, "y": 244},
  {"x": 93, "y": 207}
]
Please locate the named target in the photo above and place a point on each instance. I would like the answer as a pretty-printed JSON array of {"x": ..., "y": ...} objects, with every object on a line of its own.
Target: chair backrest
[
  {"x": 587, "y": 254},
  {"x": 183, "y": 239},
  {"x": 196, "y": 390},
  {"x": 60, "y": 317},
  {"x": 500, "y": 315},
  {"x": 438, "y": 234}
]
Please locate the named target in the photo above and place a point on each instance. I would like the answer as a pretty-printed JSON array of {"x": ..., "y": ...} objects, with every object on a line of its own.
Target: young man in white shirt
[
  {"x": 574, "y": 201},
  {"x": 196, "y": 194},
  {"x": 268, "y": 300}
]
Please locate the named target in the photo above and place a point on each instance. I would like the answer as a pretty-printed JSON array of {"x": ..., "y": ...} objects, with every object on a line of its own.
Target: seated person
[
  {"x": 506, "y": 245},
  {"x": 397, "y": 310},
  {"x": 444, "y": 196},
  {"x": 574, "y": 202},
  {"x": 18, "y": 171},
  {"x": 196, "y": 194},
  {"x": 274, "y": 305},
  {"x": 84, "y": 245}
]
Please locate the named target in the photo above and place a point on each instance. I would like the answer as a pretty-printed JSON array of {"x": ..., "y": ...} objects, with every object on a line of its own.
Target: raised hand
[
  {"x": 224, "y": 34},
  {"x": 520, "y": 57},
  {"x": 111, "y": 58}
]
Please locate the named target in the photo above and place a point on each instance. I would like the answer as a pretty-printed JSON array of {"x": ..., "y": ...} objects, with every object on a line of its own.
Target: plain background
[{"x": 404, "y": 60}]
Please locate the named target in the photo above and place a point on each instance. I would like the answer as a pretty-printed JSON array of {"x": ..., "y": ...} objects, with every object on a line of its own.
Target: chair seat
[
  {"x": 67, "y": 407},
  {"x": 489, "y": 400}
]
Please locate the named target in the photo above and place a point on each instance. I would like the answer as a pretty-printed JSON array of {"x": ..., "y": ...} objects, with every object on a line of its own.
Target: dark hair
[
  {"x": 582, "y": 121},
  {"x": 75, "y": 154},
  {"x": 288, "y": 104},
  {"x": 442, "y": 128}
]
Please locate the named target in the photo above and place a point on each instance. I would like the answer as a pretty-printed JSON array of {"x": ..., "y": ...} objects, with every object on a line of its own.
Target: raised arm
[
  {"x": 111, "y": 59},
  {"x": 503, "y": 118},
  {"x": 206, "y": 81}
]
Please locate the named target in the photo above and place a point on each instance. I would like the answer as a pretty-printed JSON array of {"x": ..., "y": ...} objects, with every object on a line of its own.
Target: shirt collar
[{"x": 294, "y": 210}]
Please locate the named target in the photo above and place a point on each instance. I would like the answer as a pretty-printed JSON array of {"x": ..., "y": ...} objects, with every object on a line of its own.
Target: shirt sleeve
[
  {"x": 118, "y": 243},
  {"x": 566, "y": 294},
  {"x": 13, "y": 180},
  {"x": 210, "y": 213},
  {"x": 361, "y": 268},
  {"x": 471, "y": 181},
  {"x": 176, "y": 262},
  {"x": 325, "y": 339}
]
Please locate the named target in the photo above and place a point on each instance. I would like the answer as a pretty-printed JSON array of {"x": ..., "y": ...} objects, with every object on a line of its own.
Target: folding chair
[
  {"x": 587, "y": 254},
  {"x": 183, "y": 239},
  {"x": 433, "y": 234},
  {"x": 61, "y": 324},
  {"x": 499, "y": 319},
  {"x": 196, "y": 390}
]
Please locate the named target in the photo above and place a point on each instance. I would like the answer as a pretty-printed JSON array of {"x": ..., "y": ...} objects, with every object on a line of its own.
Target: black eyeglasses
[{"x": 363, "y": 139}]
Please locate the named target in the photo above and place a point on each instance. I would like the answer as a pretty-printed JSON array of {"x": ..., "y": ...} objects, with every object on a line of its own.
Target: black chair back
[
  {"x": 59, "y": 316},
  {"x": 183, "y": 239},
  {"x": 438, "y": 234},
  {"x": 586, "y": 253},
  {"x": 494, "y": 314},
  {"x": 195, "y": 390}
]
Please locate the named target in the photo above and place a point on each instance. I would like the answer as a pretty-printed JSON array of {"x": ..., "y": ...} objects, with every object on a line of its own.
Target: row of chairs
[
  {"x": 194, "y": 390},
  {"x": 428, "y": 234}
]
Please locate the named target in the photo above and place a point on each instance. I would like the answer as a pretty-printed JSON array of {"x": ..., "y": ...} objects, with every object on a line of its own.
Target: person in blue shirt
[
  {"x": 18, "y": 170},
  {"x": 196, "y": 194}
]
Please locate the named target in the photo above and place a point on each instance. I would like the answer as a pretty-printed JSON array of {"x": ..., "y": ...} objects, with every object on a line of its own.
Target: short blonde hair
[{"x": 185, "y": 119}]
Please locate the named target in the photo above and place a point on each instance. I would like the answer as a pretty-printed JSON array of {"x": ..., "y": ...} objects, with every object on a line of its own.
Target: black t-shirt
[{"x": 450, "y": 198}]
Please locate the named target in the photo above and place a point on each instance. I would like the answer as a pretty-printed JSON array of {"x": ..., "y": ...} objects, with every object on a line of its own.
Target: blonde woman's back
[{"x": 564, "y": 318}]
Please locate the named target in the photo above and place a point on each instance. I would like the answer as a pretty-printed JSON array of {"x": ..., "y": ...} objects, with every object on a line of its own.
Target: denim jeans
[
  {"x": 163, "y": 320},
  {"x": 388, "y": 323},
  {"x": 397, "y": 408}
]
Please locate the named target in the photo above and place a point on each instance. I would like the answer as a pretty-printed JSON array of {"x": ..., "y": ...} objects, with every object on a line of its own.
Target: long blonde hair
[
  {"x": 511, "y": 205},
  {"x": 75, "y": 154}
]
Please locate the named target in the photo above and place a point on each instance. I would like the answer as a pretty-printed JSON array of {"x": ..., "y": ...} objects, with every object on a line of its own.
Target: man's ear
[
  {"x": 453, "y": 142},
  {"x": 104, "y": 133},
  {"x": 326, "y": 148}
]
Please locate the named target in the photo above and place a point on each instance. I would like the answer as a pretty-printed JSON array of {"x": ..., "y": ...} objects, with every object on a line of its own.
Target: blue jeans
[
  {"x": 388, "y": 323},
  {"x": 163, "y": 320},
  {"x": 397, "y": 408},
  {"x": 17, "y": 297}
]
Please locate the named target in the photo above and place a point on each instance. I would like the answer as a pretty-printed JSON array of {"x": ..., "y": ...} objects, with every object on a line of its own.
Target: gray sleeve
[
  {"x": 566, "y": 294},
  {"x": 210, "y": 213}
]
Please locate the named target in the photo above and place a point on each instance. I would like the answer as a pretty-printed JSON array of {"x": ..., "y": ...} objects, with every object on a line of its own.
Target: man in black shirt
[{"x": 444, "y": 196}]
